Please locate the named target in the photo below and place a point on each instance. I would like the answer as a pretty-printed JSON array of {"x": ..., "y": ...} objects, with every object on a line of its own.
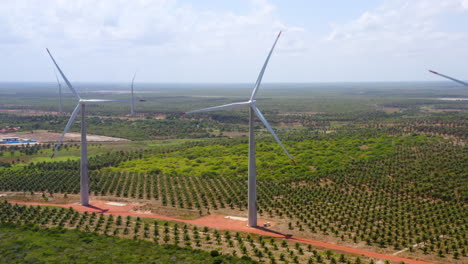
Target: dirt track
[{"x": 220, "y": 222}]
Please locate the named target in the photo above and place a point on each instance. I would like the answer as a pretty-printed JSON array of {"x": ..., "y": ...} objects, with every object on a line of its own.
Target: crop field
[{"x": 380, "y": 169}]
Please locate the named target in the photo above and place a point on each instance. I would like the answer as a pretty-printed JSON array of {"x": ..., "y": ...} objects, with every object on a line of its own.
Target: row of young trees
[
  {"x": 413, "y": 193},
  {"x": 362, "y": 203},
  {"x": 260, "y": 248}
]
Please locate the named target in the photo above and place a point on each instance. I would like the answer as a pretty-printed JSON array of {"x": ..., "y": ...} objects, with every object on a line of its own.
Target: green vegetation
[
  {"x": 155, "y": 241},
  {"x": 30, "y": 244},
  {"x": 321, "y": 155},
  {"x": 376, "y": 166}
]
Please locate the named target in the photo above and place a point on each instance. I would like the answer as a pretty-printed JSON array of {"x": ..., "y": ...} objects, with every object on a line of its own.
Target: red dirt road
[{"x": 220, "y": 222}]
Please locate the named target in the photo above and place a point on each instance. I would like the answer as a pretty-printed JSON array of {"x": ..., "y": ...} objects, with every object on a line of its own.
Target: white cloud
[
  {"x": 116, "y": 33},
  {"x": 168, "y": 24},
  {"x": 173, "y": 41},
  {"x": 400, "y": 24}
]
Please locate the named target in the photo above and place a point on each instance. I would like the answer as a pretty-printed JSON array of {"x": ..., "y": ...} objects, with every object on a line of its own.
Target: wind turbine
[
  {"x": 254, "y": 111},
  {"x": 448, "y": 77},
  {"x": 81, "y": 106},
  {"x": 132, "y": 105},
  {"x": 60, "y": 93}
]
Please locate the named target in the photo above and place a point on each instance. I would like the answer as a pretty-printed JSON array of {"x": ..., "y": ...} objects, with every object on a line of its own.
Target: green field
[
  {"x": 29, "y": 244},
  {"x": 381, "y": 167}
]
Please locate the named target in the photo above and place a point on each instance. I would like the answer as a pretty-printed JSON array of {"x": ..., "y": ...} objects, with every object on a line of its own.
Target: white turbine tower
[
  {"x": 252, "y": 181},
  {"x": 60, "y": 93},
  {"x": 81, "y": 106},
  {"x": 132, "y": 103},
  {"x": 448, "y": 77}
]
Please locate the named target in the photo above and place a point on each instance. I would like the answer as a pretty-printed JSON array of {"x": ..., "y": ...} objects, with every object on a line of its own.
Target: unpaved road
[{"x": 220, "y": 222}]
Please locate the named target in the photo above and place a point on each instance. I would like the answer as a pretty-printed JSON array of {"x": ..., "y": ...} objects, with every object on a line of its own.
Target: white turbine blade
[
  {"x": 448, "y": 77},
  {"x": 67, "y": 127},
  {"x": 221, "y": 107},
  {"x": 132, "y": 110},
  {"x": 56, "y": 77},
  {"x": 272, "y": 132},
  {"x": 91, "y": 101},
  {"x": 133, "y": 81},
  {"x": 260, "y": 76},
  {"x": 60, "y": 92},
  {"x": 63, "y": 76}
]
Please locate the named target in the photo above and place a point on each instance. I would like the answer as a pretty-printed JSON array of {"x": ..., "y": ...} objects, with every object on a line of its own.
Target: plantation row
[
  {"x": 346, "y": 212},
  {"x": 140, "y": 129},
  {"x": 60, "y": 245},
  {"x": 260, "y": 248},
  {"x": 439, "y": 127},
  {"x": 23, "y": 149}
]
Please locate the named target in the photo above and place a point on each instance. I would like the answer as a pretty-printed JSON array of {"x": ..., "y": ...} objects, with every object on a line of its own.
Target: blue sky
[{"x": 227, "y": 41}]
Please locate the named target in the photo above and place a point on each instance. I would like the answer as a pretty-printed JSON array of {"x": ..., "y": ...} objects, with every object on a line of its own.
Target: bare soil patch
[
  {"x": 44, "y": 136},
  {"x": 391, "y": 110},
  {"x": 221, "y": 222},
  {"x": 440, "y": 110}
]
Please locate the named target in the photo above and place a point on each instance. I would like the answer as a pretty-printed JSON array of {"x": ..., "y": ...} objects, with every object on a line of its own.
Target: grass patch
[{"x": 29, "y": 244}]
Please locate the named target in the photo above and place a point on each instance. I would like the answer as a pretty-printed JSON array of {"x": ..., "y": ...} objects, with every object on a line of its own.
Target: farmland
[{"x": 376, "y": 169}]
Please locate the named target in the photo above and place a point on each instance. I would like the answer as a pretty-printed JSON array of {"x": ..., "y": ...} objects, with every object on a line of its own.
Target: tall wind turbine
[
  {"x": 132, "y": 103},
  {"x": 448, "y": 77},
  {"x": 81, "y": 106},
  {"x": 251, "y": 103},
  {"x": 60, "y": 93}
]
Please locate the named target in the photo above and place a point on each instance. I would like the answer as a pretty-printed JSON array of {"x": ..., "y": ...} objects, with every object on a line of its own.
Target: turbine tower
[
  {"x": 254, "y": 111},
  {"x": 81, "y": 106},
  {"x": 60, "y": 93},
  {"x": 448, "y": 77},
  {"x": 132, "y": 103}
]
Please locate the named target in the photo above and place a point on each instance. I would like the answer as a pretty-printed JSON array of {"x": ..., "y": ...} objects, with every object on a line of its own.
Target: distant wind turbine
[
  {"x": 60, "y": 93},
  {"x": 251, "y": 103},
  {"x": 448, "y": 77},
  {"x": 81, "y": 106},
  {"x": 132, "y": 103}
]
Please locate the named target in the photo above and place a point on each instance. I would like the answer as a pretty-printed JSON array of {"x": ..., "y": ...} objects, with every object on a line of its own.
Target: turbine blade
[
  {"x": 132, "y": 105},
  {"x": 90, "y": 101},
  {"x": 448, "y": 77},
  {"x": 63, "y": 76},
  {"x": 272, "y": 132},
  {"x": 133, "y": 79},
  {"x": 60, "y": 92},
  {"x": 221, "y": 107},
  {"x": 67, "y": 127},
  {"x": 56, "y": 77},
  {"x": 260, "y": 76}
]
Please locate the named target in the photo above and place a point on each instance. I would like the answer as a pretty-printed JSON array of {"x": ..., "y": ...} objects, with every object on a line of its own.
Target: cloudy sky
[{"x": 228, "y": 40}]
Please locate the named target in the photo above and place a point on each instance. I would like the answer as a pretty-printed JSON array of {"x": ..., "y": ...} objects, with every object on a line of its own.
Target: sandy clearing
[
  {"x": 237, "y": 218},
  {"x": 221, "y": 222},
  {"x": 44, "y": 136},
  {"x": 116, "y": 204}
]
